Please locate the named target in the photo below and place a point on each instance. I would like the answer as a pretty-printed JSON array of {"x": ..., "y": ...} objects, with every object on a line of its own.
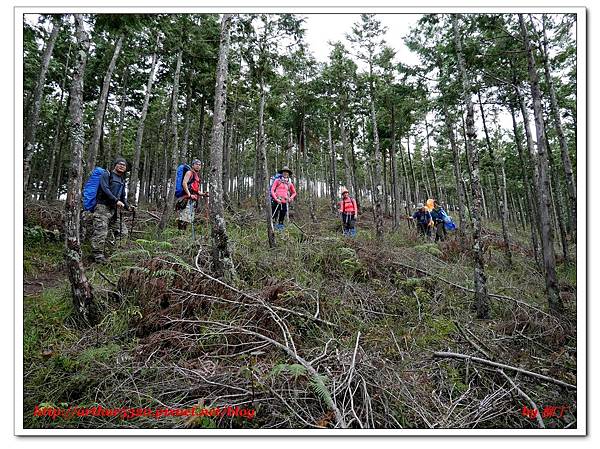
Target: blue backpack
[
  {"x": 90, "y": 189},
  {"x": 448, "y": 223},
  {"x": 181, "y": 171},
  {"x": 274, "y": 178}
]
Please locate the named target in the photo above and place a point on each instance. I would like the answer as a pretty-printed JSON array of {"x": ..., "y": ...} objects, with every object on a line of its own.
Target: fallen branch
[
  {"x": 475, "y": 345},
  {"x": 455, "y": 355},
  {"x": 527, "y": 398},
  {"x": 466, "y": 289}
]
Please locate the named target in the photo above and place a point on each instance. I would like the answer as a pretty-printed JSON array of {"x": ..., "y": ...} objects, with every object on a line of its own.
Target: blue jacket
[
  {"x": 438, "y": 214},
  {"x": 111, "y": 190},
  {"x": 422, "y": 216}
]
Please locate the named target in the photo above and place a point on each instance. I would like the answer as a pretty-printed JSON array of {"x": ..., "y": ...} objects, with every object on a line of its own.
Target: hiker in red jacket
[
  {"x": 186, "y": 204},
  {"x": 349, "y": 211},
  {"x": 283, "y": 193}
]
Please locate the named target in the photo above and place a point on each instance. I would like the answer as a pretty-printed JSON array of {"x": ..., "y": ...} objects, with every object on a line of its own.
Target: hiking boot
[{"x": 99, "y": 258}]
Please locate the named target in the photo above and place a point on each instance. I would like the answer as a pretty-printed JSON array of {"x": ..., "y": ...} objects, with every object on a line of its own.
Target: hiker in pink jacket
[{"x": 283, "y": 192}]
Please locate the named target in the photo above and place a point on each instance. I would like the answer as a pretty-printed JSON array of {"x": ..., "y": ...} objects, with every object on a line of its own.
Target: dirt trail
[{"x": 35, "y": 285}]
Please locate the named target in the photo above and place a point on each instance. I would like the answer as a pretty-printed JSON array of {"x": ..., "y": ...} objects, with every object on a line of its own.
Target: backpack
[
  {"x": 90, "y": 189},
  {"x": 181, "y": 171},
  {"x": 274, "y": 178}
]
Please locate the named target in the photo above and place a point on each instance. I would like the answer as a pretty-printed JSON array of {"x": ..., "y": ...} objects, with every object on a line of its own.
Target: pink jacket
[
  {"x": 283, "y": 190},
  {"x": 348, "y": 206}
]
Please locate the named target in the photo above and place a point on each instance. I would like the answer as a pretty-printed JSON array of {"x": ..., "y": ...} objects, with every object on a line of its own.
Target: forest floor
[{"x": 321, "y": 331}]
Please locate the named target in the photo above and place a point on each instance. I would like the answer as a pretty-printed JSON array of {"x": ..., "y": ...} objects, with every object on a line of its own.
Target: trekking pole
[
  {"x": 132, "y": 225},
  {"x": 276, "y": 207},
  {"x": 192, "y": 219},
  {"x": 207, "y": 219},
  {"x": 120, "y": 227}
]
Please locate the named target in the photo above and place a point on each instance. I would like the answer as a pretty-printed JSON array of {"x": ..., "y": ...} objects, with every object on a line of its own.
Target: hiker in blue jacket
[
  {"x": 437, "y": 215},
  {"x": 111, "y": 197},
  {"x": 423, "y": 218}
]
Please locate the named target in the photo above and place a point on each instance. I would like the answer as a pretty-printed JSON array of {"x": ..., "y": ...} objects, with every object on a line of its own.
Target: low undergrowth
[{"x": 321, "y": 331}]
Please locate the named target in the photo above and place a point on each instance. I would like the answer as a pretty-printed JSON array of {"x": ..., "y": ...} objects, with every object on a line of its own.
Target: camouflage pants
[
  {"x": 105, "y": 220},
  {"x": 187, "y": 213}
]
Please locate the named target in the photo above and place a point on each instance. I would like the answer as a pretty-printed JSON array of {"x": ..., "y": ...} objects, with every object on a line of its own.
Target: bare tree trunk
[
  {"x": 80, "y": 286},
  {"x": 133, "y": 180},
  {"x": 438, "y": 192},
  {"x": 395, "y": 187},
  {"x": 38, "y": 94},
  {"x": 347, "y": 167},
  {"x": 377, "y": 175},
  {"x": 333, "y": 159},
  {"x": 555, "y": 191},
  {"x": 408, "y": 196},
  {"x": 309, "y": 192},
  {"x": 501, "y": 206},
  {"x": 170, "y": 197},
  {"x": 415, "y": 186},
  {"x": 481, "y": 295},
  {"x": 527, "y": 187},
  {"x": 262, "y": 175},
  {"x": 221, "y": 251},
  {"x": 201, "y": 126},
  {"x": 58, "y": 126},
  {"x": 184, "y": 150},
  {"x": 460, "y": 192},
  {"x": 101, "y": 107},
  {"x": 564, "y": 148},
  {"x": 122, "y": 112},
  {"x": 554, "y": 300}
]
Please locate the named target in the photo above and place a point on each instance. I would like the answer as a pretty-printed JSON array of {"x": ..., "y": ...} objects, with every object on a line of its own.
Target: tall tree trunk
[
  {"x": 58, "y": 126},
  {"x": 221, "y": 251},
  {"x": 533, "y": 167},
  {"x": 438, "y": 192},
  {"x": 309, "y": 191},
  {"x": 554, "y": 300},
  {"x": 133, "y": 180},
  {"x": 501, "y": 206},
  {"x": 101, "y": 107},
  {"x": 170, "y": 197},
  {"x": 408, "y": 197},
  {"x": 347, "y": 167},
  {"x": 333, "y": 163},
  {"x": 415, "y": 186},
  {"x": 355, "y": 183},
  {"x": 460, "y": 192},
  {"x": 481, "y": 295},
  {"x": 262, "y": 174},
  {"x": 80, "y": 287},
  {"x": 394, "y": 168},
  {"x": 377, "y": 175},
  {"x": 555, "y": 189},
  {"x": 529, "y": 190},
  {"x": 38, "y": 94},
  {"x": 183, "y": 155},
  {"x": 122, "y": 112},
  {"x": 564, "y": 148},
  {"x": 201, "y": 126}
]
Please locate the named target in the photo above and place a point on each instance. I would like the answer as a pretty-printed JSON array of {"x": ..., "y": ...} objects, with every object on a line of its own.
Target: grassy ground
[{"x": 367, "y": 316}]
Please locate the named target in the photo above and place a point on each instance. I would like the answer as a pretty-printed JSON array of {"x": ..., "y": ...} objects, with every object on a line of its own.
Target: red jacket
[
  {"x": 348, "y": 206},
  {"x": 283, "y": 190}
]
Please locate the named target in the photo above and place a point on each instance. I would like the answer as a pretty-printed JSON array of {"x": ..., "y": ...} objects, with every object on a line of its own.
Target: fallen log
[{"x": 455, "y": 355}]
